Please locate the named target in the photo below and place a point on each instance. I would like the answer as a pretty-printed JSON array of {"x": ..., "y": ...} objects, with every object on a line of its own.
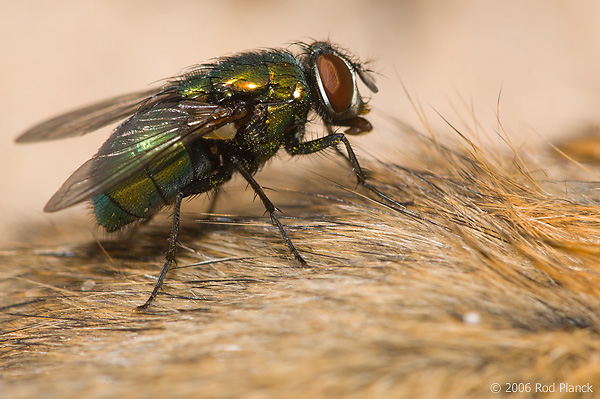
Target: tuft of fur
[{"x": 492, "y": 275}]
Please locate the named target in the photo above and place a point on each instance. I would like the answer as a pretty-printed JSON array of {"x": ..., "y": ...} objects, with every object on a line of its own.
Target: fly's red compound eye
[{"x": 337, "y": 81}]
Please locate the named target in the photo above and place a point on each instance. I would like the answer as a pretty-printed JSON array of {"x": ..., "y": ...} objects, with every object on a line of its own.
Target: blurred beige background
[{"x": 544, "y": 57}]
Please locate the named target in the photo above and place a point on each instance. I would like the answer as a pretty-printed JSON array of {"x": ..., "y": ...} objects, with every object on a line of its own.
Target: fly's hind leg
[
  {"x": 268, "y": 206},
  {"x": 197, "y": 187},
  {"x": 170, "y": 257}
]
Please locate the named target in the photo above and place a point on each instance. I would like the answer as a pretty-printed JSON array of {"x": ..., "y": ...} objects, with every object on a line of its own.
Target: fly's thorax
[
  {"x": 273, "y": 85},
  {"x": 271, "y": 126},
  {"x": 262, "y": 76},
  {"x": 224, "y": 80}
]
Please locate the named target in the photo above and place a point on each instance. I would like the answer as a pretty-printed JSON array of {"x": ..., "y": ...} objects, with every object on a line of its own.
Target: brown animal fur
[{"x": 383, "y": 310}]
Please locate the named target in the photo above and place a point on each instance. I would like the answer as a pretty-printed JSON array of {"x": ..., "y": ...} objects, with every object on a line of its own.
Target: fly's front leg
[
  {"x": 309, "y": 147},
  {"x": 268, "y": 206}
]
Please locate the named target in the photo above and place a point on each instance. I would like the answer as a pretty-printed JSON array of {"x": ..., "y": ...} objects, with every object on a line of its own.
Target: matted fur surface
[{"x": 491, "y": 276}]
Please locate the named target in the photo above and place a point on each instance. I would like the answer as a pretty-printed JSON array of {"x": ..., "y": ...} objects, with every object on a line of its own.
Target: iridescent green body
[
  {"x": 192, "y": 134},
  {"x": 272, "y": 82}
]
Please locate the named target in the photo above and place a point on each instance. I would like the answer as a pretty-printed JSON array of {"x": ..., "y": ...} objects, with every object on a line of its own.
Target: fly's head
[{"x": 333, "y": 76}]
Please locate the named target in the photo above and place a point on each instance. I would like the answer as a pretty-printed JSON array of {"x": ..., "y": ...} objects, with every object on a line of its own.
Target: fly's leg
[
  {"x": 337, "y": 149},
  {"x": 170, "y": 258},
  {"x": 268, "y": 206},
  {"x": 197, "y": 187},
  {"x": 309, "y": 147}
]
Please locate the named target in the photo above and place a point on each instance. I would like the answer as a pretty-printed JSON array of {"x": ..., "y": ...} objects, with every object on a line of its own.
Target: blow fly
[{"x": 191, "y": 134}]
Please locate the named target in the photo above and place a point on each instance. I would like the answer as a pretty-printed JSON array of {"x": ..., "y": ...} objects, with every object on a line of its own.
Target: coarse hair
[{"x": 489, "y": 275}]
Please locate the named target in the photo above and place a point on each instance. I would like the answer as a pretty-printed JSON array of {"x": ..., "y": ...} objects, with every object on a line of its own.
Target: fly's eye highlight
[{"x": 337, "y": 81}]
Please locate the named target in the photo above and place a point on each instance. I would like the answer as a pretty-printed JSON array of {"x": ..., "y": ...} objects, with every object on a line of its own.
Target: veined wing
[
  {"x": 146, "y": 137},
  {"x": 90, "y": 118}
]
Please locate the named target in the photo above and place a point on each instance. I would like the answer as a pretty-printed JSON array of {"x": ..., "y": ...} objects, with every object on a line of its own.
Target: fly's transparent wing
[
  {"x": 90, "y": 118},
  {"x": 146, "y": 137}
]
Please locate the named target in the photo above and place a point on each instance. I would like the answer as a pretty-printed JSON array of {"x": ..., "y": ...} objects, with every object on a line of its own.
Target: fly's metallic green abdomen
[
  {"x": 190, "y": 135},
  {"x": 145, "y": 193}
]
